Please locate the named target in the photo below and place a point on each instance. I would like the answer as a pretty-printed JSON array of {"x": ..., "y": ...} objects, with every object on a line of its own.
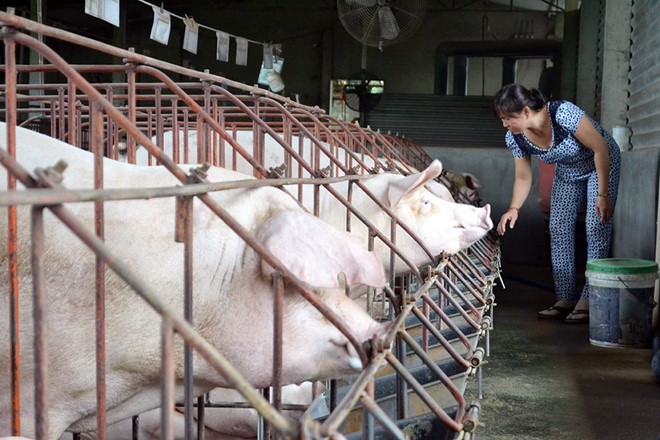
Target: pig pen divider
[
  {"x": 259, "y": 170},
  {"x": 78, "y": 198},
  {"x": 9, "y": 39},
  {"x": 162, "y": 158},
  {"x": 172, "y": 319}
]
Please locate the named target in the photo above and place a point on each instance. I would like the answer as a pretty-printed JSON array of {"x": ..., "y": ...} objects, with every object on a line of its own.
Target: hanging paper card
[
  {"x": 268, "y": 56},
  {"x": 241, "y": 51},
  {"x": 222, "y": 49},
  {"x": 191, "y": 35},
  {"x": 107, "y": 10},
  {"x": 160, "y": 30}
]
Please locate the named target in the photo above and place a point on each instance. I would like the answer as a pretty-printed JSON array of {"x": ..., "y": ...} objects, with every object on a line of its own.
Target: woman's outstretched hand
[{"x": 509, "y": 217}]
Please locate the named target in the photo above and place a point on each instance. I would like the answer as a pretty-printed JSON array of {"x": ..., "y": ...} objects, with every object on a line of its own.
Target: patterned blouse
[{"x": 574, "y": 160}]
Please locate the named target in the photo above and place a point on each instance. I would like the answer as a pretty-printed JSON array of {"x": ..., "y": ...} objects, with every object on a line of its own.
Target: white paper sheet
[
  {"x": 222, "y": 49},
  {"x": 160, "y": 30},
  {"x": 241, "y": 51},
  {"x": 191, "y": 35},
  {"x": 107, "y": 10}
]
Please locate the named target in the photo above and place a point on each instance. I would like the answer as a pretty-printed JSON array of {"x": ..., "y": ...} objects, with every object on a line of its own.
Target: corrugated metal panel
[
  {"x": 439, "y": 121},
  {"x": 644, "y": 76}
]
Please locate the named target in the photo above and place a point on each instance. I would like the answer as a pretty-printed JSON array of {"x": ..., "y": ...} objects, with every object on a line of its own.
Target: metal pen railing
[{"x": 66, "y": 112}]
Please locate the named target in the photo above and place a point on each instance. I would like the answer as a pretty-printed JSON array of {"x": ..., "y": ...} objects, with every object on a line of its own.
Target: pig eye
[{"x": 426, "y": 206}]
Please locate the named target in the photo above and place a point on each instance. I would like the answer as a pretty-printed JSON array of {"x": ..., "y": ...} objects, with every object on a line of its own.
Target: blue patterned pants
[{"x": 566, "y": 202}]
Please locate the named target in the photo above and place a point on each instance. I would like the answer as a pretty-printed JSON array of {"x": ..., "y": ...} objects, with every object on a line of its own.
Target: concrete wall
[
  {"x": 637, "y": 206},
  {"x": 316, "y": 46},
  {"x": 636, "y": 232},
  {"x": 409, "y": 66},
  {"x": 526, "y": 243}
]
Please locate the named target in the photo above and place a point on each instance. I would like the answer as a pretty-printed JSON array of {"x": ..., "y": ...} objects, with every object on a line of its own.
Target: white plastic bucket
[{"x": 621, "y": 302}]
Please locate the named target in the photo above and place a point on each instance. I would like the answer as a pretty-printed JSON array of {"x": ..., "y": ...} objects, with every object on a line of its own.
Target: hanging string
[{"x": 201, "y": 25}]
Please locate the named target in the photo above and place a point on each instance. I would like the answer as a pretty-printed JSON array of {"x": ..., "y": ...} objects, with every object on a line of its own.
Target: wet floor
[{"x": 545, "y": 380}]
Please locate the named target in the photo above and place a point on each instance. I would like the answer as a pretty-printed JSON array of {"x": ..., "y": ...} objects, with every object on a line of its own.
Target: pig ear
[
  {"x": 471, "y": 181},
  {"x": 317, "y": 252},
  {"x": 439, "y": 190},
  {"x": 399, "y": 189}
]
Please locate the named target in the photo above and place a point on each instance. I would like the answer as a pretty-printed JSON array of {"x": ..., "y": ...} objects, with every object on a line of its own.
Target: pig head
[
  {"x": 466, "y": 185},
  {"x": 442, "y": 225},
  {"x": 232, "y": 292}
]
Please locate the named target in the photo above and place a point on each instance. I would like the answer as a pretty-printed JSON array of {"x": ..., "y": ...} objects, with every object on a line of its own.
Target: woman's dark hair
[{"x": 513, "y": 98}]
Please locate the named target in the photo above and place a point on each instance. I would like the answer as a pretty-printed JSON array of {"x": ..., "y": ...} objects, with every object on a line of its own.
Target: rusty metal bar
[
  {"x": 459, "y": 292},
  {"x": 57, "y": 196},
  {"x": 430, "y": 363},
  {"x": 278, "y": 342},
  {"x": 97, "y": 148},
  {"x": 470, "y": 265},
  {"x": 28, "y": 25},
  {"x": 445, "y": 319},
  {"x": 428, "y": 400},
  {"x": 285, "y": 274},
  {"x": 201, "y": 416},
  {"x": 367, "y": 415},
  {"x": 401, "y": 387},
  {"x": 12, "y": 244},
  {"x": 340, "y": 412},
  {"x": 456, "y": 271},
  {"x": 326, "y": 130},
  {"x": 480, "y": 254},
  {"x": 205, "y": 116},
  {"x": 399, "y": 348},
  {"x": 443, "y": 341},
  {"x": 71, "y": 110},
  {"x": 448, "y": 297},
  {"x": 380, "y": 415},
  {"x": 463, "y": 275},
  {"x": 39, "y": 315},
  {"x": 187, "y": 332},
  {"x": 167, "y": 379},
  {"x": 184, "y": 223}
]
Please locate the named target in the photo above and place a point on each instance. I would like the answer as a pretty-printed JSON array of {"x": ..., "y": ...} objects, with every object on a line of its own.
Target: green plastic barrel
[{"x": 621, "y": 302}]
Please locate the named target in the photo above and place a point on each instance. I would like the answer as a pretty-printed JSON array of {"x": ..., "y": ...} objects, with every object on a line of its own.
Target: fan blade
[
  {"x": 389, "y": 29},
  {"x": 367, "y": 3}
]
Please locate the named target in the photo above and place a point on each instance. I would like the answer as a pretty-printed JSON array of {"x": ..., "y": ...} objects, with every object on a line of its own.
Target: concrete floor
[{"x": 544, "y": 380}]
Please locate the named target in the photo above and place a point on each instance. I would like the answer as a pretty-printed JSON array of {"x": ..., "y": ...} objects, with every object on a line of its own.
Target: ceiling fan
[{"x": 380, "y": 23}]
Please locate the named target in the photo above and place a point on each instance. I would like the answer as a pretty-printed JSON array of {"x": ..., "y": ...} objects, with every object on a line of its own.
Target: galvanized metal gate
[
  {"x": 644, "y": 85},
  {"x": 413, "y": 382}
]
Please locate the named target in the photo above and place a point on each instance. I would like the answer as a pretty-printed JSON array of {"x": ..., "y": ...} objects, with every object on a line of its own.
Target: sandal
[
  {"x": 555, "y": 312},
  {"x": 577, "y": 316}
]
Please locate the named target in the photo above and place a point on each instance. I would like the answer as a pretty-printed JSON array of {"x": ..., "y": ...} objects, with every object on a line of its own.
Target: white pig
[
  {"x": 443, "y": 226},
  {"x": 232, "y": 307},
  {"x": 418, "y": 200}
]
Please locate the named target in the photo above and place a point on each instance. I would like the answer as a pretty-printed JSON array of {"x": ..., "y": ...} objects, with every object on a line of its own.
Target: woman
[{"x": 587, "y": 166}]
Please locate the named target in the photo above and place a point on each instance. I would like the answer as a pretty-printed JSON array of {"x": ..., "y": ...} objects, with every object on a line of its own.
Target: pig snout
[
  {"x": 362, "y": 326},
  {"x": 377, "y": 331},
  {"x": 475, "y": 222}
]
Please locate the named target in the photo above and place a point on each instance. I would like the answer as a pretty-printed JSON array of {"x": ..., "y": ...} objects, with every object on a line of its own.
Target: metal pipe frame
[{"x": 385, "y": 145}]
